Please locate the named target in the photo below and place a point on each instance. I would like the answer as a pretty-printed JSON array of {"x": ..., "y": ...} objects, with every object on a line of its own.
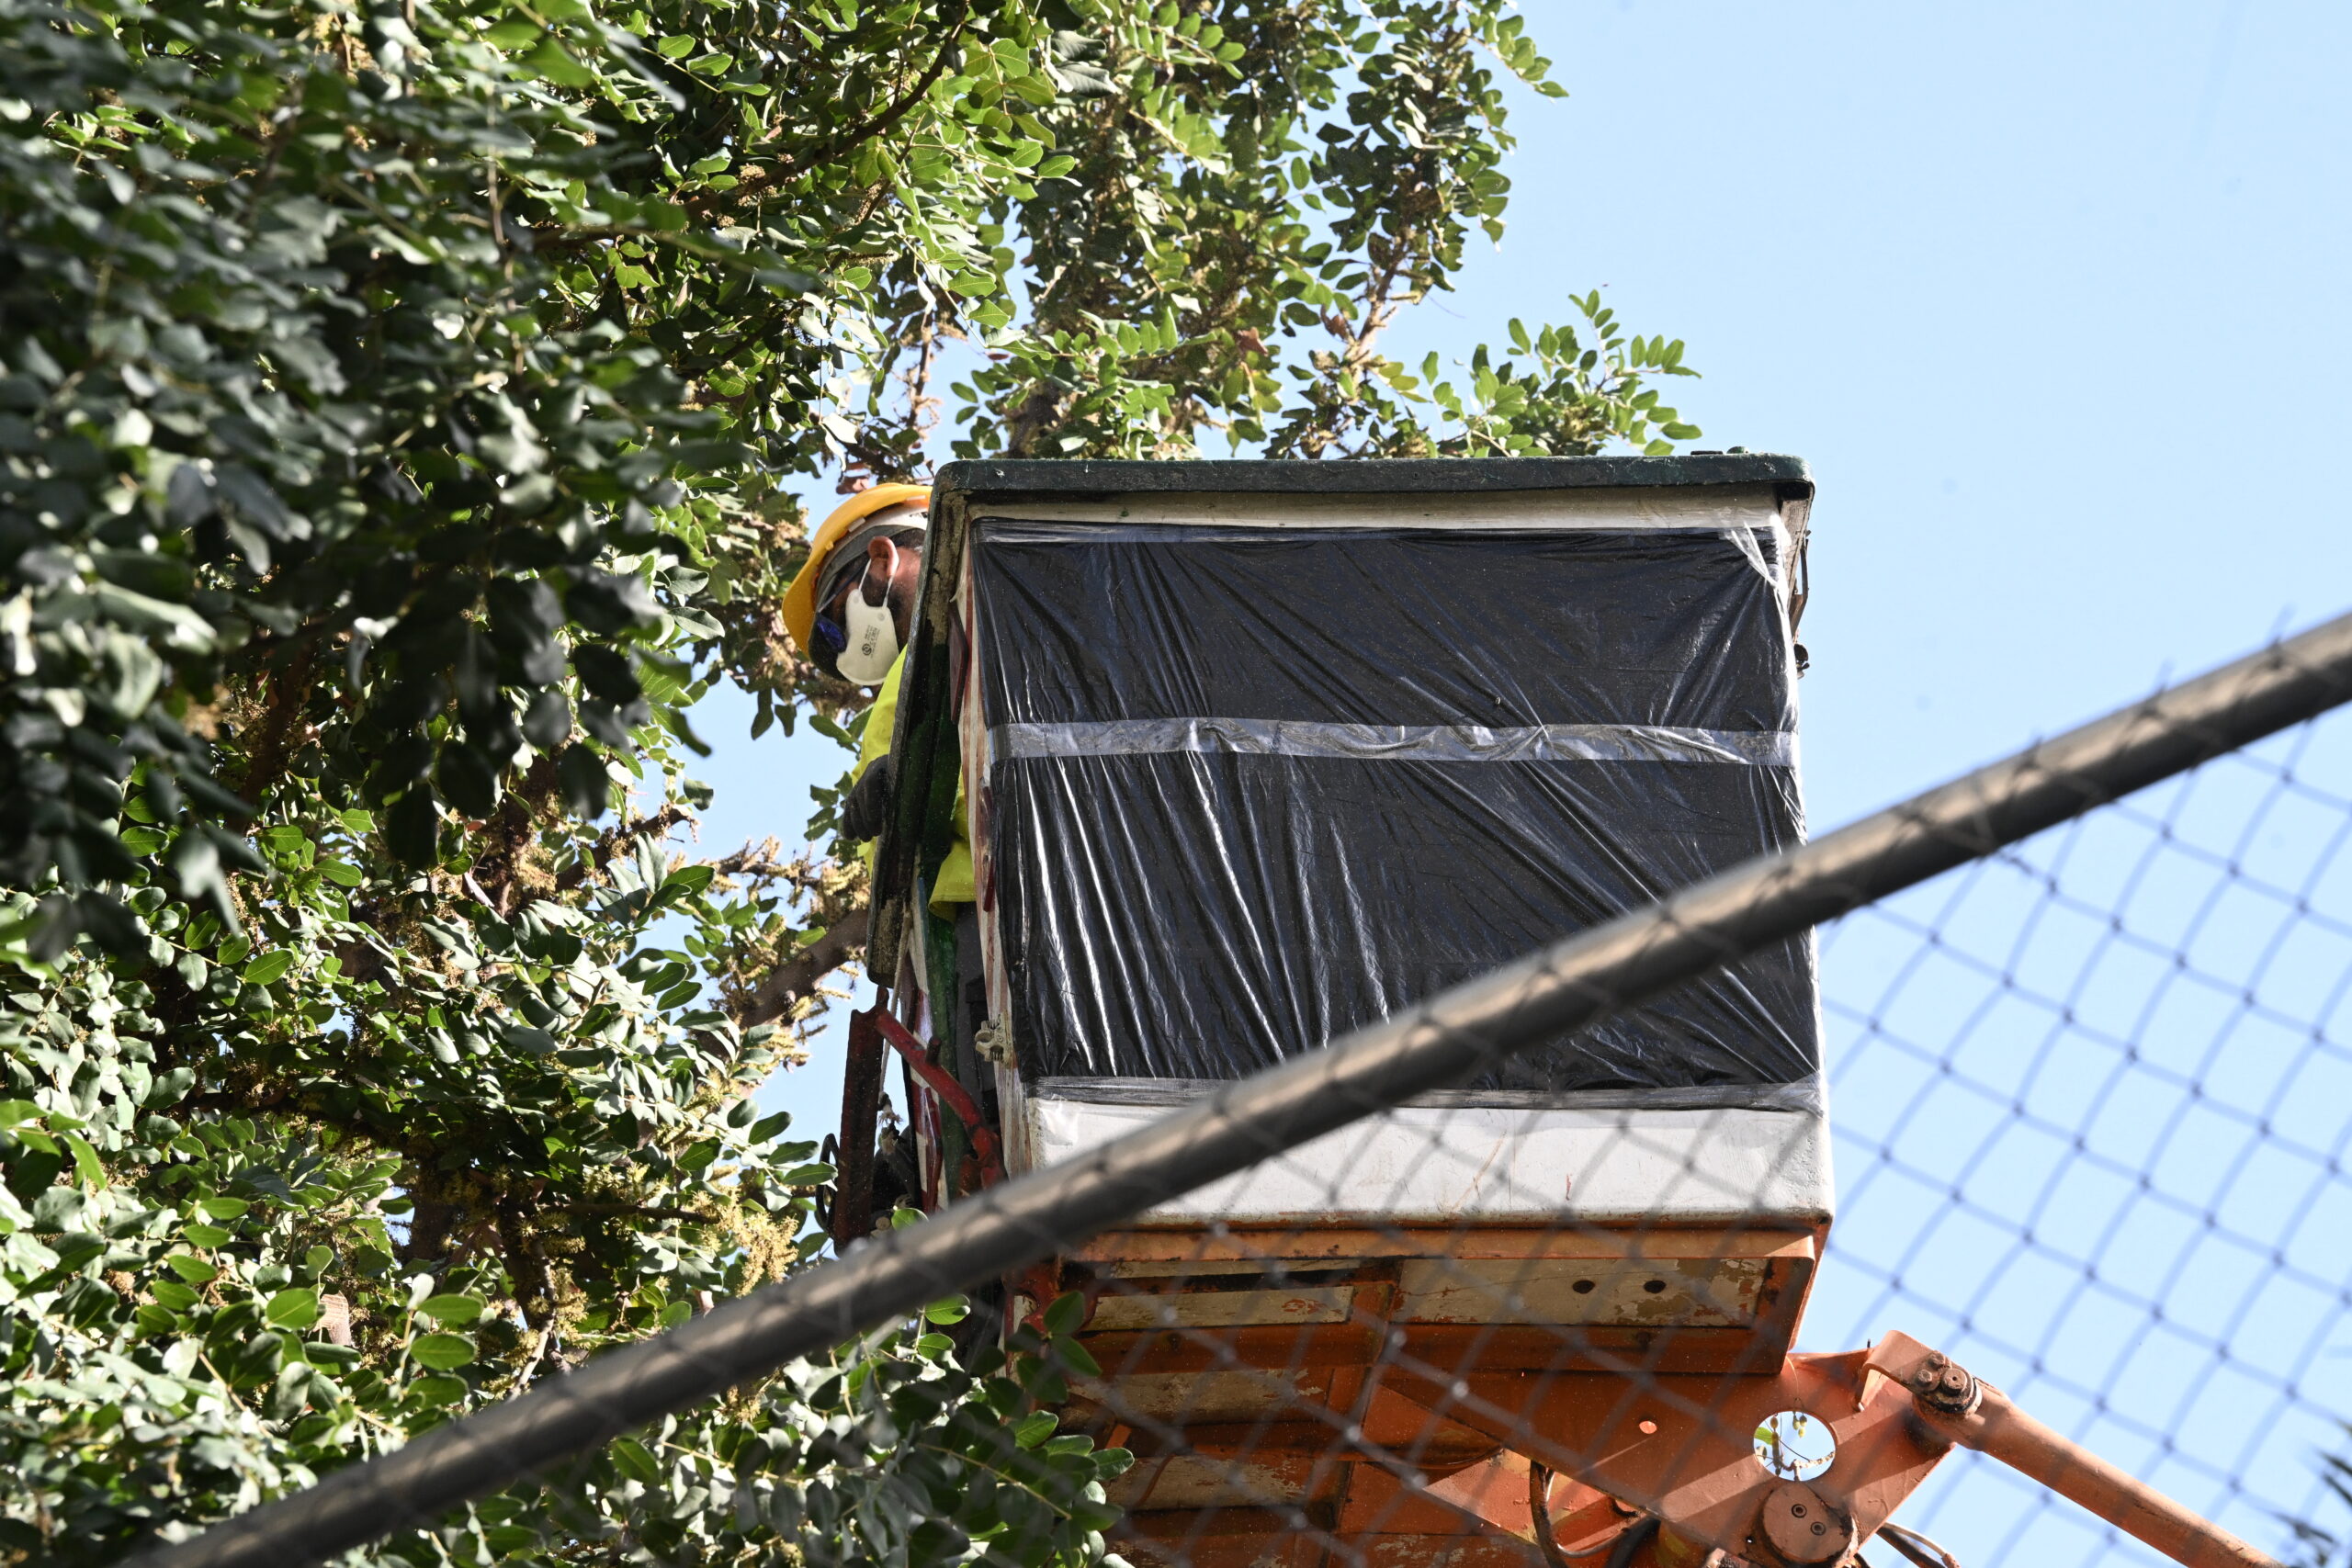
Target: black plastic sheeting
[{"x": 1253, "y": 789}]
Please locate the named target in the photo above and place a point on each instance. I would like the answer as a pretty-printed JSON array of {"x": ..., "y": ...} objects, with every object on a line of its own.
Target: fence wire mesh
[
  {"x": 2092, "y": 1094},
  {"x": 2092, "y": 1100},
  {"x": 2092, "y": 1097}
]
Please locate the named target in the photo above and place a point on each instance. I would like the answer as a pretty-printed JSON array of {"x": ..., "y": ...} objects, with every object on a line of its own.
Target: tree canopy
[{"x": 406, "y": 408}]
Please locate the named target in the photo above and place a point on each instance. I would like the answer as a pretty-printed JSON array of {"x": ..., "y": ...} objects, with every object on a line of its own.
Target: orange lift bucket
[
  {"x": 1243, "y": 755},
  {"x": 1119, "y": 670}
]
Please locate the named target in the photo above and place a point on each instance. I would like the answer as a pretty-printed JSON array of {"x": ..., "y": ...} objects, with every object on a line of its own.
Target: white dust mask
[{"x": 873, "y": 639}]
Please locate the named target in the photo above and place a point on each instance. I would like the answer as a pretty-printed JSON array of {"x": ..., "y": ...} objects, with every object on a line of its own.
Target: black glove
[{"x": 867, "y": 804}]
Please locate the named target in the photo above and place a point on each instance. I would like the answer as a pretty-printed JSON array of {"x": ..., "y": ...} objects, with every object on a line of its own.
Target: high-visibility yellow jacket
[{"x": 954, "y": 884}]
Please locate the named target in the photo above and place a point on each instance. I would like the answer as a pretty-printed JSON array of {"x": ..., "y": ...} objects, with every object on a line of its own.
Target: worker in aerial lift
[{"x": 851, "y": 610}]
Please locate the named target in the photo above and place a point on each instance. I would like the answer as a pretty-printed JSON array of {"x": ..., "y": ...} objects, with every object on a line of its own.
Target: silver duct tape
[{"x": 1393, "y": 743}]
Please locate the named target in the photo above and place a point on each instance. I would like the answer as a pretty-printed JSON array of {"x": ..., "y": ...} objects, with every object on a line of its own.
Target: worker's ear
[{"x": 881, "y": 565}]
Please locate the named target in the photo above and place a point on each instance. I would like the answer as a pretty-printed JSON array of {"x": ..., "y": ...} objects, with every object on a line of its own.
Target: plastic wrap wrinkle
[
  {"x": 1395, "y": 742},
  {"x": 1709, "y": 507},
  {"x": 1743, "y": 539},
  {"x": 1382, "y": 627},
  {"x": 1198, "y": 914},
  {"x": 1251, "y": 790}
]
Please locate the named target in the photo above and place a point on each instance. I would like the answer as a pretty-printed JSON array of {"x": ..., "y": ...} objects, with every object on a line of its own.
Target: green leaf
[
  {"x": 442, "y": 1351},
  {"x": 551, "y": 61},
  {"x": 295, "y": 1309},
  {"x": 451, "y": 1309},
  {"x": 85, "y": 1159},
  {"x": 436, "y": 1390},
  {"x": 630, "y": 1458},
  {"x": 224, "y": 1208},
  {"x": 412, "y": 827},
  {"x": 514, "y": 34},
  {"x": 1075, "y": 1357},
  {"x": 194, "y": 1270},
  {"x": 687, "y": 880},
  {"x": 587, "y": 789},
  {"x": 1065, "y": 1315}
]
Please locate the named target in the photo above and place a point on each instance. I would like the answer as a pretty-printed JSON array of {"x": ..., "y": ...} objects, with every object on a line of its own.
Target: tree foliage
[{"x": 402, "y": 411}]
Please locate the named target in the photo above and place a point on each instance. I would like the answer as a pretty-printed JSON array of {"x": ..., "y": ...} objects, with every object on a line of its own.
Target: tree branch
[
  {"x": 876, "y": 125},
  {"x": 799, "y": 976},
  {"x": 615, "y": 841},
  {"x": 637, "y": 1211}
]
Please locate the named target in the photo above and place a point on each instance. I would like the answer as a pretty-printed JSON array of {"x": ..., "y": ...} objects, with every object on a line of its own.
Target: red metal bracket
[
  {"x": 1680, "y": 1448},
  {"x": 1957, "y": 1408},
  {"x": 950, "y": 1093}
]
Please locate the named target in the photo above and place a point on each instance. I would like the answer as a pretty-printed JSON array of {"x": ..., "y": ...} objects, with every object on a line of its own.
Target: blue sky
[
  {"x": 2051, "y": 296},
  {"x": 2090, "y": 1104}
]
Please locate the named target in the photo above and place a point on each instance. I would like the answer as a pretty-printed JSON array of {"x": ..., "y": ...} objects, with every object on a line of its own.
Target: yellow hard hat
[{"x": 800, "y": 598}]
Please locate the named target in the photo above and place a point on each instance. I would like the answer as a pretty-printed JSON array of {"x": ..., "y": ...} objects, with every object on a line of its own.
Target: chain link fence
[
  {"x": 2087, "y": 1055},
  {"x": 2092, "y": 1097}
]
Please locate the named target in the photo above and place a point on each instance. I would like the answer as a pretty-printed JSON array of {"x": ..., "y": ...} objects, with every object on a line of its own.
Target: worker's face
[{"x": 892, "y": 576}]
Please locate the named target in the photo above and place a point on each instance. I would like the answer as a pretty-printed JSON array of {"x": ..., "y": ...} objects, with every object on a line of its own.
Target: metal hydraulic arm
[{"x": 1664, "y": 1469}]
